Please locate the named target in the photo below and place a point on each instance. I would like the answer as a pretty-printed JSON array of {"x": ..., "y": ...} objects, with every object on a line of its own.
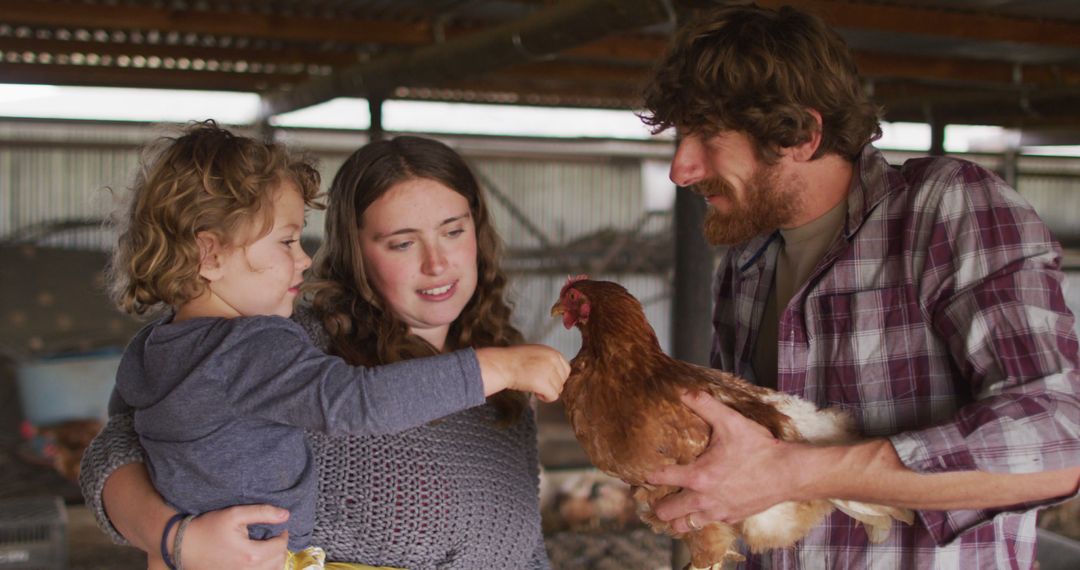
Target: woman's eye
[
  {"x": 456, "y": 233},
  {"x": 400, "y": 246},
  {"x": 289, "y": 242}
]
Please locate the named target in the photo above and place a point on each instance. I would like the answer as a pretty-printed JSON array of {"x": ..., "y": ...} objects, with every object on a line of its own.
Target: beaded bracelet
[
  {"x": 165, "y": 539},
  {"x": 179, "y": 541}
]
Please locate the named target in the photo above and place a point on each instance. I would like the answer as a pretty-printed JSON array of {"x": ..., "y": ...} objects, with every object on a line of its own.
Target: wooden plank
[
  {"x": 957, "y": 70},
  {"x": 1012, "y": 109},
  {"x": 100, "y": 76},
  {"x": 257, "y": 25},
  {"x": 919, "y": 20},
  {"x": 546, "y": 32},
  {"x": 177, "y": 51}
]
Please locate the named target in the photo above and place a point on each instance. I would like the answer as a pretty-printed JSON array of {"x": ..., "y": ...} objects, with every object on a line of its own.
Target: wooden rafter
[
  {"x": 88, "y": 76},
  {"x": 915, "y": 55},
  {"x": 178, "y": 51},
  {"x": 930, "y": 21},
  {"x": 107, "y": 16},
  {"x": 546, "y": 32}
]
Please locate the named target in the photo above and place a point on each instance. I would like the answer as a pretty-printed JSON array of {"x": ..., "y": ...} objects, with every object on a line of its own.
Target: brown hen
[{"x": 622, "y": 400}]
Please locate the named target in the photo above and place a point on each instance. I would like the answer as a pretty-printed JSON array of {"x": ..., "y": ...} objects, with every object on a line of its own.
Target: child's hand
[{"x": 534, "y": 368}]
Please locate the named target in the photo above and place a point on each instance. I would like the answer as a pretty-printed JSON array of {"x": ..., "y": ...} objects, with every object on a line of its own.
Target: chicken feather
[{"x": 622, "y": 400}]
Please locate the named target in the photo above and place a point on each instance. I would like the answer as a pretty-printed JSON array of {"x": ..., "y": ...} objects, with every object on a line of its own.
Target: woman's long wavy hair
[
  {"x": 361, "y": 327},
  {"x": 205, "y": 180},
  {"x": 758, "y": 71}
]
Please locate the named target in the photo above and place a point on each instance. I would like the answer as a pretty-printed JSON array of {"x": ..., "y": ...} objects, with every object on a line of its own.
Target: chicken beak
[{"x": 557, "y": 309}]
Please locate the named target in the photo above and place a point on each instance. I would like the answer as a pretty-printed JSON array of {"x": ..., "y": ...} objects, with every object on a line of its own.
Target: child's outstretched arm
[
  {"x": 534, "y": 368},
  {"x": 270, "y": 370}
]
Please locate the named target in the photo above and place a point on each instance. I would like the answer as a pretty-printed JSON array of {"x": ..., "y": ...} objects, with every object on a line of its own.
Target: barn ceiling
[{"x": 1008, "y": 62}]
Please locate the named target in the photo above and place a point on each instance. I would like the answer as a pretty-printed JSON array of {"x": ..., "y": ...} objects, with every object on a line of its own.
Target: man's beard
[{"x": 769, "y": 205}]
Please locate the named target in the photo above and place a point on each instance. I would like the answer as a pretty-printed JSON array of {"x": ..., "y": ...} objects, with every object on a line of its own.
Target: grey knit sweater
[
  {"x": 458, "y": 493},
  {"x": 220, "y": 406}
]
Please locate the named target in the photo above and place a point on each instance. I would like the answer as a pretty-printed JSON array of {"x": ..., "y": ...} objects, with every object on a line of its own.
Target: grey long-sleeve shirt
[{"x": 221, "y": 405}]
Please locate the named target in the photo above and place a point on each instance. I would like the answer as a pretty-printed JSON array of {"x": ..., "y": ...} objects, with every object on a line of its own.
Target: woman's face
[{"x": 419, "y": 246}]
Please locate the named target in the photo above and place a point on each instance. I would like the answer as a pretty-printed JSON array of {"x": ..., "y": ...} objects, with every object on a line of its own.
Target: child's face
[
  {"x": 263, "y": 278},
  {"x": 419, "y": 246}
]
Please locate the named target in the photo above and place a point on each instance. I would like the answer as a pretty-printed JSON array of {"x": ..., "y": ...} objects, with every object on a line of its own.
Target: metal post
[
  {"x": 937, "y": 138},
  {"x": 375, "y": 131},
  {"x": 691, "y": 307}
]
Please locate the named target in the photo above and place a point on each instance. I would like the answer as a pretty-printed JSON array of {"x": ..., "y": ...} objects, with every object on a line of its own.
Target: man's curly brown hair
[
  {"x": 760, "y": 72},
  {"x": 362, "y": 328},
  {"x": 206, "y": 180}
]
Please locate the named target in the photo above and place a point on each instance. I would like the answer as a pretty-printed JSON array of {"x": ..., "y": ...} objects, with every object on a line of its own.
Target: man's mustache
[{"x": 713, "y": 187}]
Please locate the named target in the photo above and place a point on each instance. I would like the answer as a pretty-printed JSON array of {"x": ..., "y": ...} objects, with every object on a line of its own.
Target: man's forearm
[
  {"x": 135, "y": 508},
  {"x": 871, "y": 471}
]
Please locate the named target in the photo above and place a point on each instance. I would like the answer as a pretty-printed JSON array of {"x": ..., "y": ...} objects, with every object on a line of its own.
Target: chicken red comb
[{"x": 570, "y": 280}]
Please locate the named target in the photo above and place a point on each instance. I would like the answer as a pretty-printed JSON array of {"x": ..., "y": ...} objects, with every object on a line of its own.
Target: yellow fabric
[{"x": 313, "y": 558}]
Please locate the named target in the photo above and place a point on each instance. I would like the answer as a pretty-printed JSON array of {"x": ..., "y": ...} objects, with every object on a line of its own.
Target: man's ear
[
  {"x": 805, "y": 150},
  {"x": 210, "y": 256}
]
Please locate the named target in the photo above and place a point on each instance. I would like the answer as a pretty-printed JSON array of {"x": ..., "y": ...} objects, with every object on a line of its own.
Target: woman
[{"x": 408, "y": 269}]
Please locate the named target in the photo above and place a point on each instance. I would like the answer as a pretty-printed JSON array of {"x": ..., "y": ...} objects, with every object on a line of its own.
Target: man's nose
[{"x": 688, "y": 165}]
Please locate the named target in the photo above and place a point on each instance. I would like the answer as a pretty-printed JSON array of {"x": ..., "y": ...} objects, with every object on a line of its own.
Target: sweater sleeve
[
  {"x": 539, "y": 559},
  {"x": 277, "y": 374},
  {"x": 117, "y": 445}
]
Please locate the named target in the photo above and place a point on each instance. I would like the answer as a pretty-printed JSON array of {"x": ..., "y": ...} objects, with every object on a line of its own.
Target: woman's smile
[{"x": 439, "y": 293}]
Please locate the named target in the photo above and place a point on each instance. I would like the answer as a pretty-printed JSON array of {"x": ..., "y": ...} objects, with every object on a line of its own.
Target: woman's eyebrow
[
  {"x": 464, "y": 216},
  {"x": 401, "y": 231}
]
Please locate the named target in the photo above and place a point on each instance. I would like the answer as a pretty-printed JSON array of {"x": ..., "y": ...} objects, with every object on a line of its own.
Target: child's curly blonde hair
[{"x": 206, "y": 180}]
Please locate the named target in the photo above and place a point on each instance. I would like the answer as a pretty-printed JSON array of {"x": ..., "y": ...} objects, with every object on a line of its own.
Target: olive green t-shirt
[{"x": 801, "y": 249}]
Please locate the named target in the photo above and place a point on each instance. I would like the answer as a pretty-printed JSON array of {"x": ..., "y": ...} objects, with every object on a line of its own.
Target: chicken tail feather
[{"x": 877, "y": 518}]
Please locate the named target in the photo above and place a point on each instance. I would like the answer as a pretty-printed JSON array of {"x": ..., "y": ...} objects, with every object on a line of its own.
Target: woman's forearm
[
  {"x": 871, "y": 471},
  {"x": 135, "y": 508}
]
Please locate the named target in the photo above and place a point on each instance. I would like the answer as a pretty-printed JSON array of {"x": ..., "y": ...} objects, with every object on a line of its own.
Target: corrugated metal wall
[{"x": 56, "y": 171}]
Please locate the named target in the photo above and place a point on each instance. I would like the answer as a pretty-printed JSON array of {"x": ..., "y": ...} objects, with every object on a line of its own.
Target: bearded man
[{"x": 925, "y": 299}]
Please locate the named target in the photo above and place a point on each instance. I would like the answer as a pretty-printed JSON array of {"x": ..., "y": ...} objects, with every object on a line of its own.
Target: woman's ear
[{"x": 210, "y": 256}]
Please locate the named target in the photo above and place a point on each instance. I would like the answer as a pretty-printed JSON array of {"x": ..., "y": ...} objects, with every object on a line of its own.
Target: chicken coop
[{"x": 599, "y": 206}]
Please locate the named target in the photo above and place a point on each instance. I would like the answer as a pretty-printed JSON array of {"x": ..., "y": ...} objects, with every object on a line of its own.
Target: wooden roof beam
[
  {"x": 968, "y": 25},
  {"x": 549, "y": 31},
  {"x": 873, "y": 65},
  {"x": 159, "y": 78},
  {"x": 1045, "y": 107},
  {"x": 177, "y": 51},
  {"x": 292, "y": 27}
]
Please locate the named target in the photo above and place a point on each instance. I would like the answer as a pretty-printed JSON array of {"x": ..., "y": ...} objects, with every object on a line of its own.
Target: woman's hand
[
  {"x": 534, "y": 368},
  {"x": 214, "y": 540},
  {"x": 219, "y": 539}
]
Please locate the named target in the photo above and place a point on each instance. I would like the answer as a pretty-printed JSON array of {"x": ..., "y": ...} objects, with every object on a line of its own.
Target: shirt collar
[{"x": 875, "y": 180}]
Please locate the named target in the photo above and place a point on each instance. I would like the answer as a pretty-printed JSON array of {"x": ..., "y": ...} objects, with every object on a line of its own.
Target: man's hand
[{"x": 744, "y": 471}]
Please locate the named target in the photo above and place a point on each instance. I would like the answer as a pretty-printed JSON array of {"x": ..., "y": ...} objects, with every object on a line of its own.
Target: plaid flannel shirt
[{"x": 938, "y": 320}]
